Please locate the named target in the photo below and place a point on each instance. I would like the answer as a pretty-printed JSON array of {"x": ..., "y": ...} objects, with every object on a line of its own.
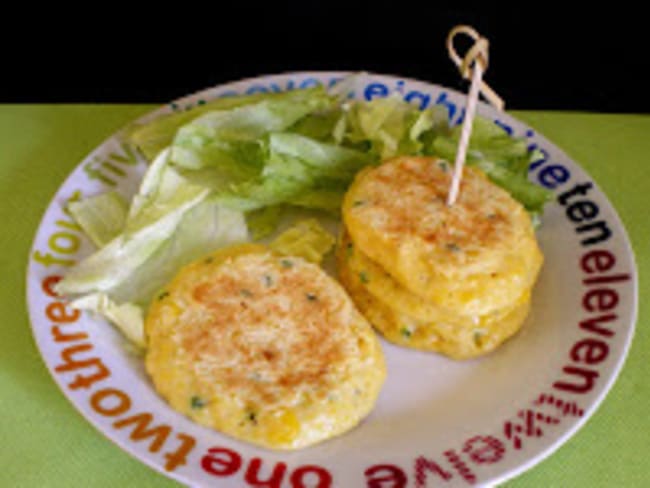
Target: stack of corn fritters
[{"x": 452, "y": 279}]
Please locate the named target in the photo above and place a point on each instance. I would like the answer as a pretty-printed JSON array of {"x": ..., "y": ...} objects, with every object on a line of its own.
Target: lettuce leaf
[
  {"x": 128, "y": 317},
  {"x": 328, "y": 200},
  {"x": 171, "y": 222},
  {"x": 263, "y": 222},
  {"x": 294, "y": 165},
  {"x": 163, "y": 192},
  {"x": 205, "y": 227},
  {"x": 163, "y": 202},
  {"x": 152, "y": 137},
  {"x": 228, "y": 139},
  {"x": 112, "y": 264},
  {"x": 388, "y": 126},
  {"x": 306, "y": 239},
  {"x": 101, "y": 217},
  {"x": 321, "y": 125}
]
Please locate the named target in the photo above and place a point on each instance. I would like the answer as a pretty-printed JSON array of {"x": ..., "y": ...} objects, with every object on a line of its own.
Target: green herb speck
[
  {"x": 363, "y": 276},
  {"x": 197, "y": 402},
  {"x": 163, "y": 295},
  {"x": 286, "y": 263},
  {"x": 479, "y": 334},
  {"x": 358, "y": 203},
  {"x": 453, "y": 247},
  {"x": 246, "y": 293},
  {"x": 443, "y": 166},
  {"x": 311, "y": 297},
  {"x": 208, "y": 260},
  {"x": 350, "y": 249},
  {"x": 268, "y": 281},
  {"x": 406, "y": 332},
  {"x": 252, "y": 418}
]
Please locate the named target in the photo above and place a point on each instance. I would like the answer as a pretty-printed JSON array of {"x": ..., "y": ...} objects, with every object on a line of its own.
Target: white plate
[{"x": 437, "y": 422}]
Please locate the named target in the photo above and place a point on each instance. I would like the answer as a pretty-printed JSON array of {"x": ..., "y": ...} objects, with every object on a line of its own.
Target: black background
[{"x": 542, "y": 56}]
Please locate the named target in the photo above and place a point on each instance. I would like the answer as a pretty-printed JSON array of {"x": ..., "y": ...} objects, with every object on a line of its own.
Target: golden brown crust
[
  {"x": 421, "y": 208},
  {"x": 272, "y": 347},
  {"x": 231, "y": 325},
  {"x": 397, "y": 215}
]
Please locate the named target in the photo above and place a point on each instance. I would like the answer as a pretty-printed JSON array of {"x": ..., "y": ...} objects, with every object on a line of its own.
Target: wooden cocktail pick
[{"x": 471, "y": 67}]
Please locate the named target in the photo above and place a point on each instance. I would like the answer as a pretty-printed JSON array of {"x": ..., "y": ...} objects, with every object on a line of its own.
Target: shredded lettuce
[
  {"x": 204, "y": 228},
  {"x": 263, "y": 222},
  {"x": 163, "y": 192},
  {"x": 321, "y": 126},
  {"x": 152, "y": 137},
  {"x": 294, "y": 165},
  {"x": 160, "y": 208},
  {"x": 328, "y": 200},
  {"x": 388, "y": 126},
  {"x": 227, "y": 139},
  {"x": 303, "y": 148},
  {"x": 101, "y": 217}
]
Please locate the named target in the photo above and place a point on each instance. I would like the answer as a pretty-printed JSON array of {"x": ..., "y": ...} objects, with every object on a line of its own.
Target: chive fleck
[
  {"x": 406, "y": 332},
  {"x": 350, "y": 249},
  {"x": 311, "y": 297},
  {"x": 268, "y": 281},
  {"x": 252, "y": 418},
  {"x": 358, "y": 203},
  {"x": 246, "y": 293},
  {"x": 208, "y": 260},
  {"x": 163, "y": 295},
  {"x": 453, "y": 247},
  {"x": 363, "y": 276},
  {"x": 286, "y": 263},
  {"x": 443, "y": 166},
  {"x": 479, "y": 334},
  {"x": 197, "y": 402}
]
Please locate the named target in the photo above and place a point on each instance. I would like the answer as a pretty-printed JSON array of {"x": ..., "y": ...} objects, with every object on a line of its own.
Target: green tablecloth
[{"x": 44, "y": 442}]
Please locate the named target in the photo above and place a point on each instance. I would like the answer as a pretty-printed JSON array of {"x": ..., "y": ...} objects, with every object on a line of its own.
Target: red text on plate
[
  {"x": 223, "y": 462},
  {"x": 600, "y": 298},
  {"x": 79, "y": 357}
]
